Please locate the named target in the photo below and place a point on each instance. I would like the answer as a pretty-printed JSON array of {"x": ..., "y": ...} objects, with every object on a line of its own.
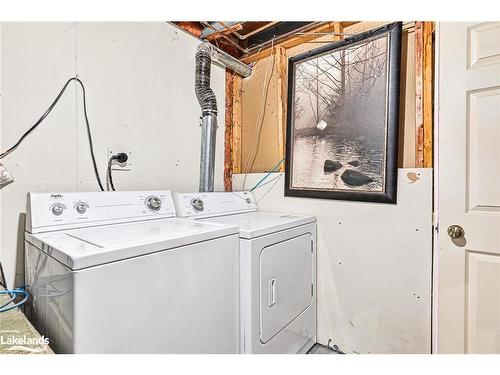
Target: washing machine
[
  {"x": 117, "y": 272},
  {"x": 277, "y": 269}
]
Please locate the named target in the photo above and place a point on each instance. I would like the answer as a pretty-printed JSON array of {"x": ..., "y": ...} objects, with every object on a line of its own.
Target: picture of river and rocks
[{"x": 339, "y": 130}]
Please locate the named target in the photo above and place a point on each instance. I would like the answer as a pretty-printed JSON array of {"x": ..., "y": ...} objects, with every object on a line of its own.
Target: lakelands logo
[{"x": 23, "y": 340}]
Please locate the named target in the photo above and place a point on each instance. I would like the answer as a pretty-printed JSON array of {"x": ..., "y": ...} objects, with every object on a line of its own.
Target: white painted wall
[
  {"x": 374, "y": 264},
  {"x": 140, "y": 91}
]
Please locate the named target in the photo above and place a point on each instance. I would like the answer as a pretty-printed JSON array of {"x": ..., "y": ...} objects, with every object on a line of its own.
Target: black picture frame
[{"x": 388, "y": 191}]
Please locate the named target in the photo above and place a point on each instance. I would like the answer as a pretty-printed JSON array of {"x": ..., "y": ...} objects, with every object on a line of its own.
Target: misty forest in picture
[{"x": 339, "y": 118}]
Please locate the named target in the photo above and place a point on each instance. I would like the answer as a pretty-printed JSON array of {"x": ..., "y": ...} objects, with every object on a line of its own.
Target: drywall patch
[{"x": 412, "y": 177}]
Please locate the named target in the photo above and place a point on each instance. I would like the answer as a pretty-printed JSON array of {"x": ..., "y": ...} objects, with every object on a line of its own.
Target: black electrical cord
[
  {"x": 47, "y": 112},
  {"x": 110, "y": 176},
  {"x": 121, "y": 158}
]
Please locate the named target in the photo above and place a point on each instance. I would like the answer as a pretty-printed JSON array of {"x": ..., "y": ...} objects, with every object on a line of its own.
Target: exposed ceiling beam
[
  {"x": 234, "y": 37},
  {"x": 259, "y": 29},
  {"x": 227, "y": 29},
  {"x": 292, "y": 41},
  {"x": 345, "y": 24},
  {"x": 279, "y": 31},
  {"x": 228, "y": 37}
]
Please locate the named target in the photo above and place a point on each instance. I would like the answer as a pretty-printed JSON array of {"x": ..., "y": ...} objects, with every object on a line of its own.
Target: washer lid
[
  {"x": 258, "y": 224},
  {"x": 82, "y": 248}
]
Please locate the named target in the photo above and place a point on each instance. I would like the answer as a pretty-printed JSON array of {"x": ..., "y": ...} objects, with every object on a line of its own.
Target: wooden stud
[
  {"x": 423, "y": 94},
  {"x": 236, "y": 124},
  {"x": 232, "y": 133},
  {"x": 419, "y": 116},
  {"x": 281, "y": 68},
  {"x": 427, "y": 92},
  {"x": 228, "y": 133}
]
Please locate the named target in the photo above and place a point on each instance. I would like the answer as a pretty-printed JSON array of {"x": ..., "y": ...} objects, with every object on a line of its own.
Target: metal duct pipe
[
  {"x": 205, "y": 54},
  {"x": 225, "y": 60},
  {"x": 208, "y": 103},
  {"x": 207, "y": 159}
]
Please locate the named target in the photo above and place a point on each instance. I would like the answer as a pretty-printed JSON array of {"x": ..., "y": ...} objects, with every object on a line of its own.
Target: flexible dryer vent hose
[{"x": 204, "y": 93}]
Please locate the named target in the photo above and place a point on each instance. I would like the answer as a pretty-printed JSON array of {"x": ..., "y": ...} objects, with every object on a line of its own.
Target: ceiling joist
[
  {"x": 292, "y": 41},
  {"x": 252, "y": 41}
]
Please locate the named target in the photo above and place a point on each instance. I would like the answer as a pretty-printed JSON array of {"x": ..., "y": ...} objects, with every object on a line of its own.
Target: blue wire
[
  {"x": 13, "y": 297},
  {"x": 268, "y": 174},
  {"x": 13, "y": 293}
]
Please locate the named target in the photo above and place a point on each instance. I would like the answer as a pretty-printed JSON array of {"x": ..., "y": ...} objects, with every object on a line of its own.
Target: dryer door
[{"x": 286, "y": 279}]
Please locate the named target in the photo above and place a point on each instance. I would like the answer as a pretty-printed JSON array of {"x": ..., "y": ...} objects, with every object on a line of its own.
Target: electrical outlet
[
  {"x": 5, "y": 177},
  {"x": 127, "y": 166}
]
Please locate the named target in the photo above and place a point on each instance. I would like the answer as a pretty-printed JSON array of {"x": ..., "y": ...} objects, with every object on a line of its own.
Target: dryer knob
[
  {"x": 153, "y": 203},
  {"x": 198, "y": 204}
]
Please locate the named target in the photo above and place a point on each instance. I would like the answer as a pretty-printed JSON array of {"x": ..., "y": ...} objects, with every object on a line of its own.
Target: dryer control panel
[
  {"x": 56, "y": 211},
  {"x": 213, "y": 204}
]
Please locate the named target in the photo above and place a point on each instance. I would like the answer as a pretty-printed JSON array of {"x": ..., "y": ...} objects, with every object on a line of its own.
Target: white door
[{"x": 468, "y": 278}]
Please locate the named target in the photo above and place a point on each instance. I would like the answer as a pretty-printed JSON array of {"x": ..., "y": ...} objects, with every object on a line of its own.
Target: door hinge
[
  {"x": 435, "y": 222},
  {"x": 312, "y": 290}
]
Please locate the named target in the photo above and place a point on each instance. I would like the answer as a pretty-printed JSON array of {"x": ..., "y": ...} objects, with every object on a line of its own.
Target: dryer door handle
[{"x": 271, "y": 291}]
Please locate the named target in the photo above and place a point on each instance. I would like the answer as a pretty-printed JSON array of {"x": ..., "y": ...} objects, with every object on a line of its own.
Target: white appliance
[
  {"x": 277, "y": 269},
  {"x": 116, "y": 272}
]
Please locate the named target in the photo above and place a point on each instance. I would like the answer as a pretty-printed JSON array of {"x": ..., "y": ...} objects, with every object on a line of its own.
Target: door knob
[{"x": 456, "y": 231}]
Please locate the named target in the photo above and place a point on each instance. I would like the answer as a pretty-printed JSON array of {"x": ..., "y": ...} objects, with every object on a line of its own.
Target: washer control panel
[
  {"x": 213, "y": 204},
  {"x": 53, "y": 211}
]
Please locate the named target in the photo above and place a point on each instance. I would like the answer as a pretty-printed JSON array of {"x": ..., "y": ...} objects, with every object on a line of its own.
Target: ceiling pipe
[
  {"x": 221, "y": 58},
  {"x": 224, "y": 27},
  {"x": 224, "y": 59},
  {"x": 224, "y": 36}
]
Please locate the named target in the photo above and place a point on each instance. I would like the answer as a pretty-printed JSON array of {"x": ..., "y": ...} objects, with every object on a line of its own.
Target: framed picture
[{"x": 343, "y": 116}]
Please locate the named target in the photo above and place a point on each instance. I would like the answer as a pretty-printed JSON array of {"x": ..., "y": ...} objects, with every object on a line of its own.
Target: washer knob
[
  {"x": 57, "y": 209},
  {"x": 81, "y": 207},
  {"x": 198, "y": 204},
  {"x": 153, "y": 203}
]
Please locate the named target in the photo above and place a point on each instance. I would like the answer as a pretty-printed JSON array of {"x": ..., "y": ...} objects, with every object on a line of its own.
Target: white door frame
[{"x": 435, "y": 158}]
